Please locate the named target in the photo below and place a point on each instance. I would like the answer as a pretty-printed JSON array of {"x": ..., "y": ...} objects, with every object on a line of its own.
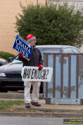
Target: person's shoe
[
  {"x": 35, "y": 103},
  {"x": 27, "y": 105}
]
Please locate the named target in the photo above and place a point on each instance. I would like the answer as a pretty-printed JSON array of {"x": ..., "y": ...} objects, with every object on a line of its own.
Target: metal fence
[{"x": 66, "y": 86}]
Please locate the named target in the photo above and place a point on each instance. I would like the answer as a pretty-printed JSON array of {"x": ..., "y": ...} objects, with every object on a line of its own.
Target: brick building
[{"x": 9, "y": 9}]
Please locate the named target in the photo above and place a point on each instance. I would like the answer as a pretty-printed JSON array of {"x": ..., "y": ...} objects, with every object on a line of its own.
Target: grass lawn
[{"x": 10, "y": 105}]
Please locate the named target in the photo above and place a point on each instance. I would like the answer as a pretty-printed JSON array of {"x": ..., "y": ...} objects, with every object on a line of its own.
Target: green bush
[
  {"x": 6, "y": 55},
  {"x": 51, "y": 25}
]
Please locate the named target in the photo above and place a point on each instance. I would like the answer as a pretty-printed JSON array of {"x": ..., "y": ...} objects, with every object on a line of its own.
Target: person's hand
[
  {"x": 20, "y": 55},
  {"x": 40, "y": 66}
]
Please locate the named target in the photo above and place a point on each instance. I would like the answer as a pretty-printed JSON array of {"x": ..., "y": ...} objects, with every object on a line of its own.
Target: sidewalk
[{"x": 46, "y": 110}]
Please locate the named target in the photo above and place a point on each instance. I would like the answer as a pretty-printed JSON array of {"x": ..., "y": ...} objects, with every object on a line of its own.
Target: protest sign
[
  {"x": 21, "y": 45},
  {"x": 33, "y": 74}
]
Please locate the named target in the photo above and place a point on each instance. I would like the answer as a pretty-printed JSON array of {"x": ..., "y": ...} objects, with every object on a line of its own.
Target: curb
[{"x": 40, "y": 114}]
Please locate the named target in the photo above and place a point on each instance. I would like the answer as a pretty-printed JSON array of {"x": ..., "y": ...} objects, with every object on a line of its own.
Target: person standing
[{"x": 35, "y": 60}]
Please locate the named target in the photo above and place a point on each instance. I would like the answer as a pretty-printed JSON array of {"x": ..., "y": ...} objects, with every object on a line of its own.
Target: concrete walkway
[
  {"x": 45, "y": 110},
  {"x": 54, "y": 110}
]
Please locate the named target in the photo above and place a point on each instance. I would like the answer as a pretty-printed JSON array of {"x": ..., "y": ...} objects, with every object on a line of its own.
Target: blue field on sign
[{"x": 20, "y": 45}]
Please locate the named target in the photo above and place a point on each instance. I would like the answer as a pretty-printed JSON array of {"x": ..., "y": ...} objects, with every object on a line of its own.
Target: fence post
[{"x": 45, "y": 86}]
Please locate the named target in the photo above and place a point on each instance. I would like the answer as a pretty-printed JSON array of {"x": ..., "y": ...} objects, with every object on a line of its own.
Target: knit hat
[{"x": 30, "y": 37}]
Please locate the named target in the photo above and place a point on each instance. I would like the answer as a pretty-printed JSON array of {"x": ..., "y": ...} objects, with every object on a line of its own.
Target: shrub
[
  {"x": 6, "y": 55},
  {"x": 51, "y": 25}
]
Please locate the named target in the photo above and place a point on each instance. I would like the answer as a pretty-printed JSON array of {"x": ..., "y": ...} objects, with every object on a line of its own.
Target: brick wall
[{"x": 8, "y": 11}]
